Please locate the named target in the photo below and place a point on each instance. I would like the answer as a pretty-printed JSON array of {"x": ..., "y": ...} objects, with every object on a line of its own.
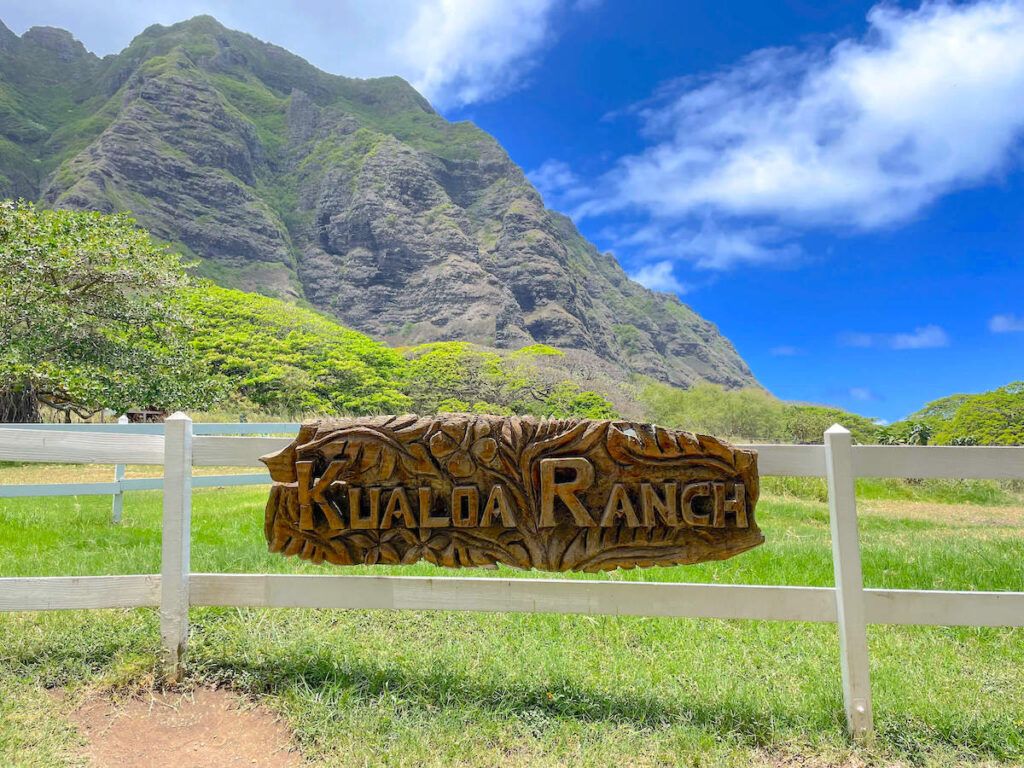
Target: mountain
[{"x": 352, "y": 195}]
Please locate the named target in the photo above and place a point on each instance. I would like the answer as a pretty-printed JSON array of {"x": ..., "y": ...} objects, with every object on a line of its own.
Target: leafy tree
[
  {"x": 90, "y": 317},
  {"x": 746, "y": 414},
  {"x": 807, "y": 423},
  {"x": 568, "y": 400},
  {"x": 287, "y": 360},
  {"x": 456, "y": 376},
  {"x": 988, "y": 418},
  {"x": 939, "y": 411},
  {"x": 920, "y": 433},
  {"x": 991, "y": 418},
  {"x": 905, "y": 433}
]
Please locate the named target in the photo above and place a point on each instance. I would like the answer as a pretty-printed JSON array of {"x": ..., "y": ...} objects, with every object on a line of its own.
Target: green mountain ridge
[{"x": 352, "y": 195}]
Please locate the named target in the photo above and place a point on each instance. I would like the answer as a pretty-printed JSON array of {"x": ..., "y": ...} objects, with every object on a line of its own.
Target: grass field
[{"x": 406, "y": 688}]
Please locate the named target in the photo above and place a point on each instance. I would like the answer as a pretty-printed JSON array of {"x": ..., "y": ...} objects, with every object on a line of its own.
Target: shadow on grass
[
  {"x": 356, "y": 682},
  {"x": 533, "y": 708}
]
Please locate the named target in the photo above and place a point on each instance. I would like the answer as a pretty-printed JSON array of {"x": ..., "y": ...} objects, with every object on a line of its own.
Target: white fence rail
[
  {"x": 179, "y": 445},
  {"x": 120, "y": 484}
]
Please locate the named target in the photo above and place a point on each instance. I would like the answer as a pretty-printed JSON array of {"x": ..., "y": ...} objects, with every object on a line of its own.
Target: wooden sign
[{"x": 466, "y": 490}]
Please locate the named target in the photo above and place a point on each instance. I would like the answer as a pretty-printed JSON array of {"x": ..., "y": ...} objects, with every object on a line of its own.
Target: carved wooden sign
[{"x": 468, "y": 490}]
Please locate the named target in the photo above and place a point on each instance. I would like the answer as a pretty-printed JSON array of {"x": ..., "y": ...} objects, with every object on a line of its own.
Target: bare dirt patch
[
  {"x": 950, "y": 514},
  {"x": 202, "y": 729}
]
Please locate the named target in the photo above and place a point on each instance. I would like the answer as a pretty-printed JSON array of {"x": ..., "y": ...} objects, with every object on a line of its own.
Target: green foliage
[
  {"x": 288, "y": 360},
  {"x": 909, "y": 432},
  {"x": 629, "y": 337},
  {"x": 750, "y": 414},
  {"x": 90, "y": 316},
  {"x": 807, "y": 423},
  {"x": 456, "y": 376},
  {"x": 991, "y": 418},
  {"x": 567, "y": 400},
  {"x": 988, "y": 418},
  {"x": 537, "y": 350},
  {"x": 746, "y": 414}
]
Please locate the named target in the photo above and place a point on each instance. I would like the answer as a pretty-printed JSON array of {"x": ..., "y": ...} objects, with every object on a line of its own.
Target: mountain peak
[
  {"x": 353, "y": 195},
  {"x": 201, "y": 24},
  {"x": 57, "y": 41},
  {"x": 7, "y": 38}
]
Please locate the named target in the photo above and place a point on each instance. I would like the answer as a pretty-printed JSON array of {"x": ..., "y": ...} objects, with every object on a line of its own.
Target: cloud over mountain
[{"x": 455, "y": 52}]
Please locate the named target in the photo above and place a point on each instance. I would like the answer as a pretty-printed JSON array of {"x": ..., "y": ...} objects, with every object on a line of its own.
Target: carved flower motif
[
  {"x": 462, "y": 456},
  {"x": 373, "y": 546},
  {"x": 423, "y": 543}
]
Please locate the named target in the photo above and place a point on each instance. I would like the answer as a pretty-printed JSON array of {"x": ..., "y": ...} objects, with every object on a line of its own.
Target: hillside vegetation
[
  {"x": 747, "y": 414},
  {"x": 274, "y": 357}
]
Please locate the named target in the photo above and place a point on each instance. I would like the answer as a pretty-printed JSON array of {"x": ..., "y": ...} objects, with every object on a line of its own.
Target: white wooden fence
[{"x": 179, "y": 445}]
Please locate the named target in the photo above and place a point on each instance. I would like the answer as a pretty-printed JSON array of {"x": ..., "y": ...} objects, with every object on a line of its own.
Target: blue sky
[{"x": 836, "y": 184}]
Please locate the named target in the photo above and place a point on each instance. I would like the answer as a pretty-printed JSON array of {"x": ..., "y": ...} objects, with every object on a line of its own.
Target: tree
[
  {"x": 905, "y": 432},
  {"x": 746, "y": 414},
  {"x": 988, "y": 418},
  {"x": 90, "y": 317},
  {"x": 991, "y": 418},
  {"x": 283, "y": 359},
  {"x": 920, "y": 433},
  {"x": 807, "y": 423},
  {"x": 456, "y": 376},
  {"x": 567, "y": 400}
]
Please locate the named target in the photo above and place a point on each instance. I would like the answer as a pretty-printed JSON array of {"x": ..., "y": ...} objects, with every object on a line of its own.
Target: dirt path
[{"x": 203, "y": 729}]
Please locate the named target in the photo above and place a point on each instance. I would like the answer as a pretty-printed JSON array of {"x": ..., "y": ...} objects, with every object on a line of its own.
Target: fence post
[
  {"x": 177, "y": 524},
  {"x": 119, "y": 471},
  {"x": 853, "y": 640}
]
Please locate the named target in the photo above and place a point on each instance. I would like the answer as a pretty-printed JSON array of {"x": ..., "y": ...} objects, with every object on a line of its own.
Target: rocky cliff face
[{"x": 352, "y": 194}]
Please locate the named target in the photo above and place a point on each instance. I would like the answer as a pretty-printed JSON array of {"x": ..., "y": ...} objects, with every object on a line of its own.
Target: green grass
[
  {"x": 941, "y": 491},
  {"x": 418, "y": 688}
]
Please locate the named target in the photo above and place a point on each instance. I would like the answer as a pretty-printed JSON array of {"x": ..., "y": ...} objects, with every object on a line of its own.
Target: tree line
[{"x": 95, "y": 315}]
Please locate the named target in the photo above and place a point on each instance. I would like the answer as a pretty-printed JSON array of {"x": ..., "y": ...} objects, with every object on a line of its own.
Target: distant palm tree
[{"x": 919, "y": 434}]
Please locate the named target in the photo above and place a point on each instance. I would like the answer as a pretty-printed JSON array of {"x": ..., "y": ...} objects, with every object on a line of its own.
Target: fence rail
[
  {"x": 180, "y": 445},
  {"x": 115, "y": 488}
]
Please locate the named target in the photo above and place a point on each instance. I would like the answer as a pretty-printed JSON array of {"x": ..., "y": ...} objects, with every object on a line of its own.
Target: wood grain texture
[{"x": 469, "y": 490}]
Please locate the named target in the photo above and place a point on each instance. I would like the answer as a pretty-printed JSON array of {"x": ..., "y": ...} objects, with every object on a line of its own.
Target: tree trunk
[{"x": 19, "y": 406}]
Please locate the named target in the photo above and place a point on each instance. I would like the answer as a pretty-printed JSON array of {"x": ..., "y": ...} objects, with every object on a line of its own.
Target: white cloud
[
  {"x": 707, "y": 244},
  {"x": 861, "y": 393},
  {"x": 659, "y": 277},
  {"x": 557, "y": 183},
  {"x": 456, "y": 52},
  {"x": 922, "y": 337},
  {"x": 925, "y": 337},
  {"x": 1007, "y": 323},
  {"x": 863, "y": 134},
  {"x": 785, "y": 351},
  {"x": 465, "y": 51}
]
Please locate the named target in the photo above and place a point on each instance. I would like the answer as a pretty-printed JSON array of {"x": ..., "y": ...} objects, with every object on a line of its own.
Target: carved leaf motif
[{"x": 656, "y": 446}]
